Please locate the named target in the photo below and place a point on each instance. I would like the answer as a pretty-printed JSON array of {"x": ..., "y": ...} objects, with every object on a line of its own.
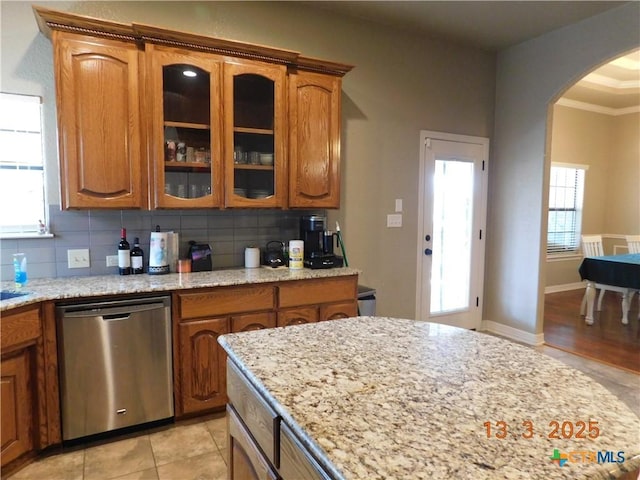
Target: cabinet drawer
[
  {"x": 322, "y": 290},
  {"x": 21, "y": 327},
  {"x": 295, "y": 462},
  {"x": 259, "y": 418},
  {"x": 223, "y": 301}
]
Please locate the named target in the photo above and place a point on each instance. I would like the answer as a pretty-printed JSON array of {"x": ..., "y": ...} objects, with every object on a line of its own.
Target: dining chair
[
  {"x": 592, "y": 247},
  {"x": 633, "y": 243}
]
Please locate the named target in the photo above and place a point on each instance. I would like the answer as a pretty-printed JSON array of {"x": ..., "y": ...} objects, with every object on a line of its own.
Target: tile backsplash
[{"x": 227, "y": 231}]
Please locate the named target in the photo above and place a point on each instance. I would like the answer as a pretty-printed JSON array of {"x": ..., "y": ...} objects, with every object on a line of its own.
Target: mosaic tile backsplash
[{"x": 228, "y": 232}]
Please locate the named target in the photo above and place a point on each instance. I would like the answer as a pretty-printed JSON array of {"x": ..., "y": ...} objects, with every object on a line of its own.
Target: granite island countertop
[
  {"x": 67, "y": 288},
  {"x": 386, "y": 398}
]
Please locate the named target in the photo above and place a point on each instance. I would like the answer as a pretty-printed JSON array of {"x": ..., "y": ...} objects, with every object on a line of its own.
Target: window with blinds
[
  {"x": 566, "y": 191},
  {"x": 21, "y": 164}
]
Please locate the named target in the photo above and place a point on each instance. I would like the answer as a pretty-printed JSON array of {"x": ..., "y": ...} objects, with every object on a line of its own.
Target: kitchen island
[{"x": 373, "y": 397}]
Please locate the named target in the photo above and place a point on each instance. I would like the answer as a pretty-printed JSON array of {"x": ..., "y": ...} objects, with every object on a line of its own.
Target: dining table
[{"x": 620, "y": 273}]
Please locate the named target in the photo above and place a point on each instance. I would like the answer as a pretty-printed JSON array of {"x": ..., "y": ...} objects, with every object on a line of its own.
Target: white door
[{"x": 451, "y": 228}]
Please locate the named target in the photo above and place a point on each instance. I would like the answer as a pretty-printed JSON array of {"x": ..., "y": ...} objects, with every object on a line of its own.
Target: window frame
[
  {"x": 571, "y": 248},
  {"x": 17, "y": 134}
]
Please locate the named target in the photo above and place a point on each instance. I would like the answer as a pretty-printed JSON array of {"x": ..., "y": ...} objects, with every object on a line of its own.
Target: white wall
[{"x": 529, "y": 77}]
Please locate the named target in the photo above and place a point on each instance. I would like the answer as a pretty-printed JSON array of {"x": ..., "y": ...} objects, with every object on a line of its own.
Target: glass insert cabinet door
[
  {"x": 187, "y": 152},
  {"x": 254, "y": 135}
]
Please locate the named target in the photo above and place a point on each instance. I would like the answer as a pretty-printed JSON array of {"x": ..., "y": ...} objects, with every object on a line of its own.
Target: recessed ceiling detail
[{"x": 613, "y": 88}]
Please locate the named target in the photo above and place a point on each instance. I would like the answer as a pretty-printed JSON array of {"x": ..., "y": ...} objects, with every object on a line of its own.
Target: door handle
[{"x": 428, "y": 251}]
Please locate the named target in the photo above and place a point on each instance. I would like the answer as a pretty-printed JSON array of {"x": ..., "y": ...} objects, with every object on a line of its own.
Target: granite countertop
[
  {"x": 387, "y": 398},
  {"x": 79, "y": 287}
]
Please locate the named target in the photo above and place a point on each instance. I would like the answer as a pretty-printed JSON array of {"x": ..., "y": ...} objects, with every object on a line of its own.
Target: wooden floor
[{"x": 607, "y": 340}]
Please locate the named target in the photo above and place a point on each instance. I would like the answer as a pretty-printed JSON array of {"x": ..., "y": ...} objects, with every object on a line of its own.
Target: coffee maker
[{"x": 318, "y": 243}]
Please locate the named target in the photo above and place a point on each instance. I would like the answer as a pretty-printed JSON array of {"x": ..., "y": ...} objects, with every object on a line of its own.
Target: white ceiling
[{"x": 495, "y": 25}]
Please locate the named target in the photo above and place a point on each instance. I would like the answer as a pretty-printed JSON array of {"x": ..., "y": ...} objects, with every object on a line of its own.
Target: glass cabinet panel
[
  {"x": 253, "y": 136},
  {"x": 187, "y": 121},
  {"x": 187, "y": 132},
  {"x": 256, "y": 146}
]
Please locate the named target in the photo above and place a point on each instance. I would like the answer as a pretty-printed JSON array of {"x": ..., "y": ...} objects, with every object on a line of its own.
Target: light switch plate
[
  {"x": 398, "y": 205},
  {"x": 394, "y": 220},
  {"x": 78, "y": 258}
]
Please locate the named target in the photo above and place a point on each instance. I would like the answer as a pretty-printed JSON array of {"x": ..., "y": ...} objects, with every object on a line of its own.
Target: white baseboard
[
  {"x": 513, "y": 333},
  {"x": 565, "y": 288}
]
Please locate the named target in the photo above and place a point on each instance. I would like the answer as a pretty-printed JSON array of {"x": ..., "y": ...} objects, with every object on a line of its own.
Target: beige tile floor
[{"x": 197, "y": 449}]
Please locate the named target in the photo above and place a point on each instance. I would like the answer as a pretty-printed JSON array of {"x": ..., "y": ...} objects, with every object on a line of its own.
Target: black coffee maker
[{"x": 318, "y": 243}]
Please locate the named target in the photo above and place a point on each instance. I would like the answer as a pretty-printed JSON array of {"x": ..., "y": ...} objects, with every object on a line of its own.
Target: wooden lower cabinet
[
  {"x": 201, "y": 316},
  {"x": 245, "y": 462},
  {"x": 297, "y": 316},
  {"x": 29, "y": 399},
  {"x": 253, "y": 321},
  {"x": 335, "y": 311},
  {"x": 17, "y": 406},
  {"x": 202, "y": 365},
  {"x": 261, "y": 445}
]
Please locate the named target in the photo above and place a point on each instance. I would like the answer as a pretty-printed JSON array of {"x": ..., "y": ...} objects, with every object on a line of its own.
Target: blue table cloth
[{"x": 615, "y": 270}]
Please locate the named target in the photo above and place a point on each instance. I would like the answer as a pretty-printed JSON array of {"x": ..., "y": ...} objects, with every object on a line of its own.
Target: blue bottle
[{"x": 20, "y": 269}]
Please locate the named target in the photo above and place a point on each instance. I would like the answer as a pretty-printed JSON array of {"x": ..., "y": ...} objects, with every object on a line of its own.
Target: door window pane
[{"x": 452, "y": 236}]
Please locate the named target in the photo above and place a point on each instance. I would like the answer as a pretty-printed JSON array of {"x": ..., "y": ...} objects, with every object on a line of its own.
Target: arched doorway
[{"x": 592, "y": 187}]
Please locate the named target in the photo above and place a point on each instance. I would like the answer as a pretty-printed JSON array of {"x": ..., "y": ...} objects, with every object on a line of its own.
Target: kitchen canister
[
  {"x": 251, "y": 257},
  {"x": 296, "y": 254}
]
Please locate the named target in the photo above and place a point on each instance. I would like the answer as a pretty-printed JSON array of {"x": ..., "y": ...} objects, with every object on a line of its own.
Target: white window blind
[
  {"x": 21, "y": 164},
  {"x": 566, "y": 192}
]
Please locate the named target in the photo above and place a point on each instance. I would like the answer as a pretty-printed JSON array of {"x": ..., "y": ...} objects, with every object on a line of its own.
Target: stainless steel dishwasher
[{"x": 115, "y": 364}]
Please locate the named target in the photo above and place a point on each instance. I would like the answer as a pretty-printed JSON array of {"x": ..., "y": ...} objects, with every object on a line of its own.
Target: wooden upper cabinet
[
  {"x": 98, "y": 94},
  {"x": 185, "y": 121},
  {"x": 255, "y": 134},
  {"x": 314, "y": 140},
  {"x": 255, "y": 127}
]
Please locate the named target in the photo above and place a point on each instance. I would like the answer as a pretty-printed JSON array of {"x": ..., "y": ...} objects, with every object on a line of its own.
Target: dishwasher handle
[
  {"x": 114, "y": 313},
  {"x": 116, "y": 316}
]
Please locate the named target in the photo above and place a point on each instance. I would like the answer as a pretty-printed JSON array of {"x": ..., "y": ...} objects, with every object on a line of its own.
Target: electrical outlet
[
  {"x": 394, "y": 220},
  {"x": 112, "y": 260},
  {"x": 78, "y": 258}
]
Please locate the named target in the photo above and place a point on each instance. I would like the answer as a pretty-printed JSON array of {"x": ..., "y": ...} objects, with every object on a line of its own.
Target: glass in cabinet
[
  {"x": 187, "y": 135},
  {"x": 254, "y": 135}
]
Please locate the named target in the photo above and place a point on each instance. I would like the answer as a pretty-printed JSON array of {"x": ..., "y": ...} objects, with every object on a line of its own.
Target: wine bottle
[
  {"x": 124, "y": 254},
  {"x": 137, "y": 258}
]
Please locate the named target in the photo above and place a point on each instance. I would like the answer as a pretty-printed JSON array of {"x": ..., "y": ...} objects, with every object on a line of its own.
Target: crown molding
[{"x": 590, "y": 107}]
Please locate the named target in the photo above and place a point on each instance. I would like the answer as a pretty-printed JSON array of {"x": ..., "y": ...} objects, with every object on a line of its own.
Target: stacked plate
[{"x": 259, "y": 193}]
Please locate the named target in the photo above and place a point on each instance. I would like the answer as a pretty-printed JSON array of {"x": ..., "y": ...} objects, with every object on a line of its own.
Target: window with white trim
[
  {"x": 566, "y": 192},
  {"x": 21, "y": 164}
]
